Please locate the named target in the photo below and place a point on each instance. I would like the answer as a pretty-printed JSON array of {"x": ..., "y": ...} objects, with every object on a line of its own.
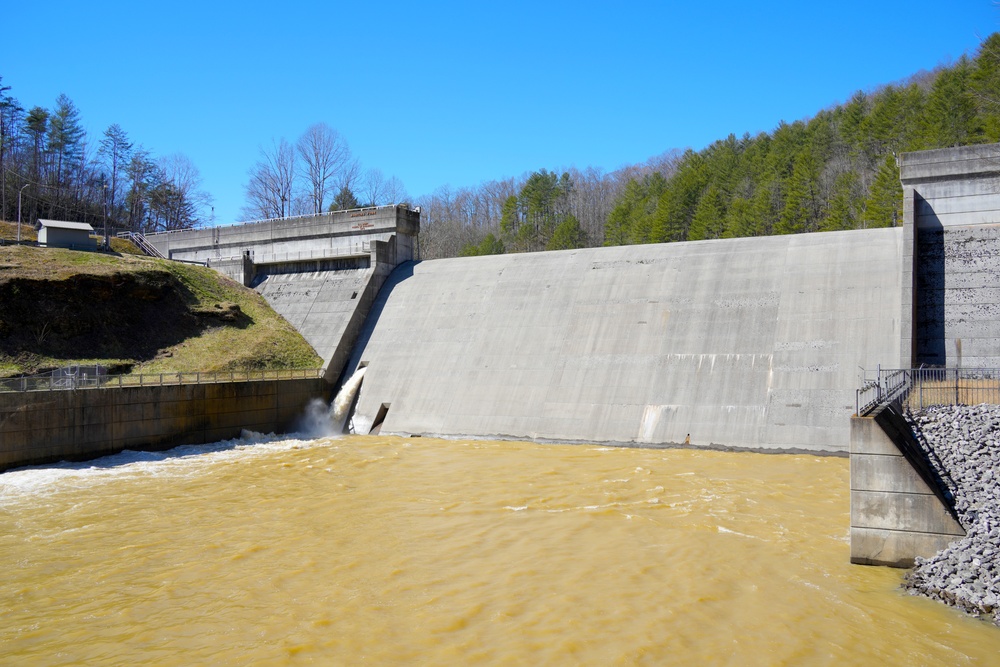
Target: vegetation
[
  {"x": 837, "y": 170},
  {"x": 9, "y": 233},
  {"x": 134, "y": 314},
  {"x": 317, "y": 174},
  {"x": 50, "y": 168}
]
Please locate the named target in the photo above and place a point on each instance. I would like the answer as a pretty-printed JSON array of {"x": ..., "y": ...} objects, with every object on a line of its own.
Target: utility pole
[
  {"x": 19, "y": 210},
  {"x": 104, "y": 190}
]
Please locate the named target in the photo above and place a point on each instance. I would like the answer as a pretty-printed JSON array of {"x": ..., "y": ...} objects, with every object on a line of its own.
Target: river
[{"x": 386, "y": 550}]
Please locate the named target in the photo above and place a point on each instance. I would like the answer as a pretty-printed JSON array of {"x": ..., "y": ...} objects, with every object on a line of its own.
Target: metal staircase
[{"x": 140, "y": 241}]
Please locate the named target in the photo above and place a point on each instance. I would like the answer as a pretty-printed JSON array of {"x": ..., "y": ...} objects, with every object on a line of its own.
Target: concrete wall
[
  {"x": 896, "y": 513},
  {"x": 951, "y": 219},
  {"x": 329, "y": 307},
  {"x": 44, "y": 426},
  {"x": 950, "y": 316},
  {"x": 291, "y": 240},
  {"x": 747, "y": 343}
]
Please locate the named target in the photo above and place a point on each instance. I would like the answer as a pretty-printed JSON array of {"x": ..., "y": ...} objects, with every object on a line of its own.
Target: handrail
[
  {"x": 48, "y": 383},
  {"x": 357, "y": 250},
  {"x": 287, "y": 217},
  {"x": 144, "y": 245},
  {"x": 918, "y": 388}
]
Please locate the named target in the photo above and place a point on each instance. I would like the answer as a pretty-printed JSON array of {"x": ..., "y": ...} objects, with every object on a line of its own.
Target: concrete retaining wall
[
  {"x": 44, "y": 426},
  {"x": 751, "y": 343},
  {"x": 897, "y": 514}
]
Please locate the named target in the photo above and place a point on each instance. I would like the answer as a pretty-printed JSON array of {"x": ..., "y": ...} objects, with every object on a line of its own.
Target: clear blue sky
[{"x": 460, "y": 93}]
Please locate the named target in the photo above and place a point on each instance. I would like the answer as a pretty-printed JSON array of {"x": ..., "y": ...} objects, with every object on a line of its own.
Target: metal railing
[
  {"x": 287, "y": 217},
  {"x": 49, "y": 382},
  {"x": 354, "y": 250},
  {"x": 144, "y": 245},
  {"x": 917, "y": 388}
]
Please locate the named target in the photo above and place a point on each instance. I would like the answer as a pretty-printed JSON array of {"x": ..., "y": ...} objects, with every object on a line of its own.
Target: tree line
[
  {"x": 837, "y": 170},
  {"x": 51, "y": 168},
  {"x": 316, "y": 174}
]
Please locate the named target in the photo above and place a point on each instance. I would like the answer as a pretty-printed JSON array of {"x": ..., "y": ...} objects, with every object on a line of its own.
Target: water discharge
[
  {"x": 321, "y": 420},
  {"x": 345, "y": 398},
  {"x": 383, "y": 550}
]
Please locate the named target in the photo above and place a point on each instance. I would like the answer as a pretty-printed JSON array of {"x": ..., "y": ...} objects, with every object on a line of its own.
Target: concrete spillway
[
  {"x": 318, "y": 304},
  {"x": 746, "y": 342}
]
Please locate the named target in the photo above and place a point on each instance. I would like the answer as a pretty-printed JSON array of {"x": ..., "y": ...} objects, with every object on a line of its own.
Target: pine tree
[
  {"x": 884, "y": 205},
  {"x": 567, "y": 235},
  {"x": 842, "y": 212},
  {"x": 708, "y": 221},
  {"x": 949, "y": 117}
]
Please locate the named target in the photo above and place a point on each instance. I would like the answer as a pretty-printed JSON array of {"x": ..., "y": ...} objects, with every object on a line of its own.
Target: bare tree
[
  {"x": 269, "y": 192},
  {"x": 349, "y": 178},
  {"x": 395, "y": 192},
  {"x": 373, "y": 187},
  {"x": 326, "y": 157},
  {"x": 178, "y": 200}
]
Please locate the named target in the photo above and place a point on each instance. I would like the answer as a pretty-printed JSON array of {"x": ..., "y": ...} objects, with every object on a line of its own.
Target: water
[
  {"x": 322, "y": 420},
  {"x": 380, "y": 550}
]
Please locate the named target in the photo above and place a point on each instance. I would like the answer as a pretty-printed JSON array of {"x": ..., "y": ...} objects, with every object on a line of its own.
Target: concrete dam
[
  {"x": 753, "y": 343},
  {"x": 748, "y": 343},
  {"x": 756, "y": 343}
]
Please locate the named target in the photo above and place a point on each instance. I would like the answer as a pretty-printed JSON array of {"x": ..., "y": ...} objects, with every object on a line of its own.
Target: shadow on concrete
[
  {"x": 398, "y": 275},
  {"x": 911, "y": 442},
  {"x": 930, "y": 287}
]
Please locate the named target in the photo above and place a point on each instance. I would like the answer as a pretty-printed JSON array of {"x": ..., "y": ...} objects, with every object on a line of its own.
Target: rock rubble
[{"x": 963, "y": 445}]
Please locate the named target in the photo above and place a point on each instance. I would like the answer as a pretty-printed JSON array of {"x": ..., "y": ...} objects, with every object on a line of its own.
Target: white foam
[{"x": 34, "y": 481}]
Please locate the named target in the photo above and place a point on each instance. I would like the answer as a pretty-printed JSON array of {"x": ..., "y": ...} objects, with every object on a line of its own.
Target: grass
[
  {"x": 268, "y": 342},
  {"x": 8, "y": 232},
  {"x": 234, "y": 327}
]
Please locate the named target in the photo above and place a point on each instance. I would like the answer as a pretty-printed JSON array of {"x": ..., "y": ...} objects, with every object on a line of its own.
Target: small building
[{"x": 60, "y": 234}]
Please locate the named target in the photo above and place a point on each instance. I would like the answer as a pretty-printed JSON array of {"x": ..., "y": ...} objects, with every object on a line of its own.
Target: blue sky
[{"x": 459, "y": 93}]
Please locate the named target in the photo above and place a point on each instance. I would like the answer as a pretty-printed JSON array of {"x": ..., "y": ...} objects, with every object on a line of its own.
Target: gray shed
[{"x": 59, "y": 234}]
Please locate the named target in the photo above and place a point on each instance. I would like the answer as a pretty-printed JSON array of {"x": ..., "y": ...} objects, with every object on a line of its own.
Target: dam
[
  {"x": 392, "y": 549},
  {"x": 752, "y": 343}
]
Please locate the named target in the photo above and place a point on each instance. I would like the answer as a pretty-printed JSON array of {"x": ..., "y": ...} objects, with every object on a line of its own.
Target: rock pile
[{"x": 963, "y": 445}]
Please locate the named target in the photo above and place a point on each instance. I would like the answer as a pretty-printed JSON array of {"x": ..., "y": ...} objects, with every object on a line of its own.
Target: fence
[
  {"x": 917, "y": 388},
  {"x": 54, "y": 382},
  {"x": 351, "y": 250}
]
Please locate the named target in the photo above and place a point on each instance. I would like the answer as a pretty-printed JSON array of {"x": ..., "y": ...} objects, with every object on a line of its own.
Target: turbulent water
[{"x": 378, "y": 550}]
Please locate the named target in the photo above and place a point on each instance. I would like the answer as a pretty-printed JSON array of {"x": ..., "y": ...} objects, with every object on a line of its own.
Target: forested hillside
[
  {"x": 51, "y": 168},
  {"x": 836, "y": 170}
]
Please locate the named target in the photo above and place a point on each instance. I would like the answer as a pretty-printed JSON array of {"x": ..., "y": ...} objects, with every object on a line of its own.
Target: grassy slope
[
  {"x": 8, "y": 232},
  {"x": 233, "y": 328}
]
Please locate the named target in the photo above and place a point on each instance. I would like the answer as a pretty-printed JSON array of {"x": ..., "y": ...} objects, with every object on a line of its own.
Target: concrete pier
[{"x": 897, "y": 510}]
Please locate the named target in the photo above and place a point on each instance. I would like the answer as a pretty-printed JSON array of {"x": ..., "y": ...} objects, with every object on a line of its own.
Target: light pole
[
  {"x": 19, "y": 210},
  {"x": 107, "y": 245}
]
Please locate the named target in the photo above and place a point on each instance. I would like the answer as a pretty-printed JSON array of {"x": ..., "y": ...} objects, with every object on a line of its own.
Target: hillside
[
  {"x": 134, "y": 314},
  {"x": 836, "y": 170}
]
